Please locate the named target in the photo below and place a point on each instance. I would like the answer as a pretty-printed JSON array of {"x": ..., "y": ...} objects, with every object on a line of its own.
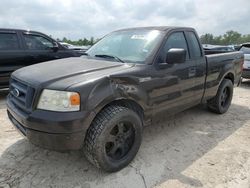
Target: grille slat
[
  {"x": 22, "y": 99},
  {"x": 19, "y": 87},
  {"x": 19, "y": 104}
]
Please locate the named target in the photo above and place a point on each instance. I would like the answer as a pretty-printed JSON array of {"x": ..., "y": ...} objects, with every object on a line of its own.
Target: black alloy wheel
[{"x": 113, "y": 138}]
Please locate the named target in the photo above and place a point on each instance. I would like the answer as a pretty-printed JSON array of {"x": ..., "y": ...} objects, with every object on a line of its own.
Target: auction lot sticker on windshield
[{"x": 141, "y": 37}]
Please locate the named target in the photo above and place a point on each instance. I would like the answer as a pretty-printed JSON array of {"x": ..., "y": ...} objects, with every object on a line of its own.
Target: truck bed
[
  {"x": 210, "y": 52},
  {"x": 218, "y": 64}
]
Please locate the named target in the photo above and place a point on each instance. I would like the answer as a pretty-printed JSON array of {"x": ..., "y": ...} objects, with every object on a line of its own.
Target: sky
[{"x": 75, "y": 19}]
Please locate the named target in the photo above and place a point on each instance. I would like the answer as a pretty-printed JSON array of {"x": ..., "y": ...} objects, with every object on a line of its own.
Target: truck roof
[
  {"x": 247, "y": 44},
  {"x": 21, "y": 30},
  {"x": 160, "y": 28},
  {"x": 11, "y": 29}
]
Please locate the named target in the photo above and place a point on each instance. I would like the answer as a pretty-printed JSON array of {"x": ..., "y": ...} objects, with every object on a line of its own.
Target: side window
[
  {"x": 194, "y": 45},
  {"x": 8, "y": 41},
  {"x": 176, "y": 40},
  {"x": 36, "y": 42}
]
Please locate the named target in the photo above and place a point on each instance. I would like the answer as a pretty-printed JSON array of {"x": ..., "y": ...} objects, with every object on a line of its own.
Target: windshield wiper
[{"x": 110, "y": 56}]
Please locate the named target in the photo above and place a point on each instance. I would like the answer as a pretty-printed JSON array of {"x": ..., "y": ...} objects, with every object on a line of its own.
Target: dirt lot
[{"x": 195, "y": 148}]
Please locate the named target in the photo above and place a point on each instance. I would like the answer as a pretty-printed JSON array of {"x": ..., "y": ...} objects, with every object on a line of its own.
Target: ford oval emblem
[{"x": 16, "y": 92}]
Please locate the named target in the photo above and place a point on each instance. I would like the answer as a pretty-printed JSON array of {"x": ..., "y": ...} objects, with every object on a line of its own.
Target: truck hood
[{"x": 62, "y": 73}]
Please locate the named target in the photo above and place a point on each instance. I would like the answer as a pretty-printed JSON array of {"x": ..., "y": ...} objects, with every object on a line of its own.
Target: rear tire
[
  {"x": 113, "y": 138},
  {"x": 222, "y": 101}
]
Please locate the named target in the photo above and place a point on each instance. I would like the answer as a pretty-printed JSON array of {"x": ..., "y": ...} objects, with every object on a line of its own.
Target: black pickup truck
[
  {"x": 132, "y": 77},
  {"x": 19, "y": 48}
]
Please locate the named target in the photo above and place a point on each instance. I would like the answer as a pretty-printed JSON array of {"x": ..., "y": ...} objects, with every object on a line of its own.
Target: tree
[
  {"x": 85, "y": 41},
  {"x": 91, "y": 41},
  {"x": 245, "y": 38},
  {"x": 231, "y": 37},
  {"x": 207, "y": 38},
  {"x": 218, "y": 40},
  {"x": 64, "y": 39}
]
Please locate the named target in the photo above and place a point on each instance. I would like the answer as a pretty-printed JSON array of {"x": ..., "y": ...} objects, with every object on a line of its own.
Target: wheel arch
[
  {"x": 122, "y": 101},
  {"x": 125, "y": 102},
  {"x": 210, "y": 92},
  {"x": 229, "y": 76}
]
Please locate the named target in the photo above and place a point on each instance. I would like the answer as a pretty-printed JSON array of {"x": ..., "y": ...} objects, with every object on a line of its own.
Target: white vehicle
[
  {"x": 245, "y": 48},
  {"x": 79, "y": 49}
]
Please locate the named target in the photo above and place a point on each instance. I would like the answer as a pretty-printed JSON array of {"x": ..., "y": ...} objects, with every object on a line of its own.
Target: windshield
[
  {"x": 245, "y": 50},
  {"x": 129, "y": 46}
]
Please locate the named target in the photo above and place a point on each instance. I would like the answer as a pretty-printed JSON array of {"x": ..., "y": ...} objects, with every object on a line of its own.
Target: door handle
[{"x": 191, "y": 71}]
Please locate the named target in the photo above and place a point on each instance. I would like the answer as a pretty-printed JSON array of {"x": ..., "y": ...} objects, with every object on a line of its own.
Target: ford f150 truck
[
  {"x": 100, "y": 102},
  {"x": 20, "y": 48}
]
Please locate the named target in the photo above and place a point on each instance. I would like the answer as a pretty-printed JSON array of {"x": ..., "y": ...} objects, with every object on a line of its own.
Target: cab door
[
  {"x": 174, "y": 89},
  {"x": 198, "y": 57},
  {"x": 12, "y": 55},
  {"x": 38, "y": 48}
]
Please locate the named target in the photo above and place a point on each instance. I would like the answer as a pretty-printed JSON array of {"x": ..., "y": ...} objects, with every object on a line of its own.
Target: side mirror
[
  {"x": 176, "y": 55},
  {"x": 55, "y": 47}
]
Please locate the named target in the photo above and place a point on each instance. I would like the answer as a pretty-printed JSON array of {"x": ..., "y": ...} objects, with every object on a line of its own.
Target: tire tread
[
  {"x": 96, "y": 128},
  {"x": 213, "y": 104}
]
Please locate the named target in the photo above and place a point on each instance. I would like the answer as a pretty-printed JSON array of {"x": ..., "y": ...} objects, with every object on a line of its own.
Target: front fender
[{"x": 110, "y": 90}]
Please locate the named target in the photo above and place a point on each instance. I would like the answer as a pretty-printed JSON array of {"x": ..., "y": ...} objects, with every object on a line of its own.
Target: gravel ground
[{"x": 195, "y": 148}]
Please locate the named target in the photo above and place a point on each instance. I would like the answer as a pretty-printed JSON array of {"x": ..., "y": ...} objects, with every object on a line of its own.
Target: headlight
[{"x": 61, "y": 101}]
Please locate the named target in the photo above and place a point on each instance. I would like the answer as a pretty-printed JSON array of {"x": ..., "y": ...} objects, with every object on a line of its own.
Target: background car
[
  {"x": 218, "y": 48},
  {"x": 20, "y": 48},
  {"x": 212, "y": 49},
  {"x": 245, "y": 48},
  {"x": 79, "y": 49}
]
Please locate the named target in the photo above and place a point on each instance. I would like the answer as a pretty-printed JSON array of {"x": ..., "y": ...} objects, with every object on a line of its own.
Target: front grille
[{"x": 21, "y": 95}]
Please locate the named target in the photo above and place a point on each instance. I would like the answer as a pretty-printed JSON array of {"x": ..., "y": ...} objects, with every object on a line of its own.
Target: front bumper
[
  {"x": 246, "y": 73},
  {"x": 51, "y": 130}
]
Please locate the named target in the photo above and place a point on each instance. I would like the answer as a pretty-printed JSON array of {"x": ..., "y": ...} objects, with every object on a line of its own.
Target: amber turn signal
[{"x": 75, "y": 99}]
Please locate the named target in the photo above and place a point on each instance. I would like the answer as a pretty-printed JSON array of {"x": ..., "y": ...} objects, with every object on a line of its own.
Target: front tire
[
  {"x": 222, "y": 101},
  {"x": 113, "y": 138}
]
